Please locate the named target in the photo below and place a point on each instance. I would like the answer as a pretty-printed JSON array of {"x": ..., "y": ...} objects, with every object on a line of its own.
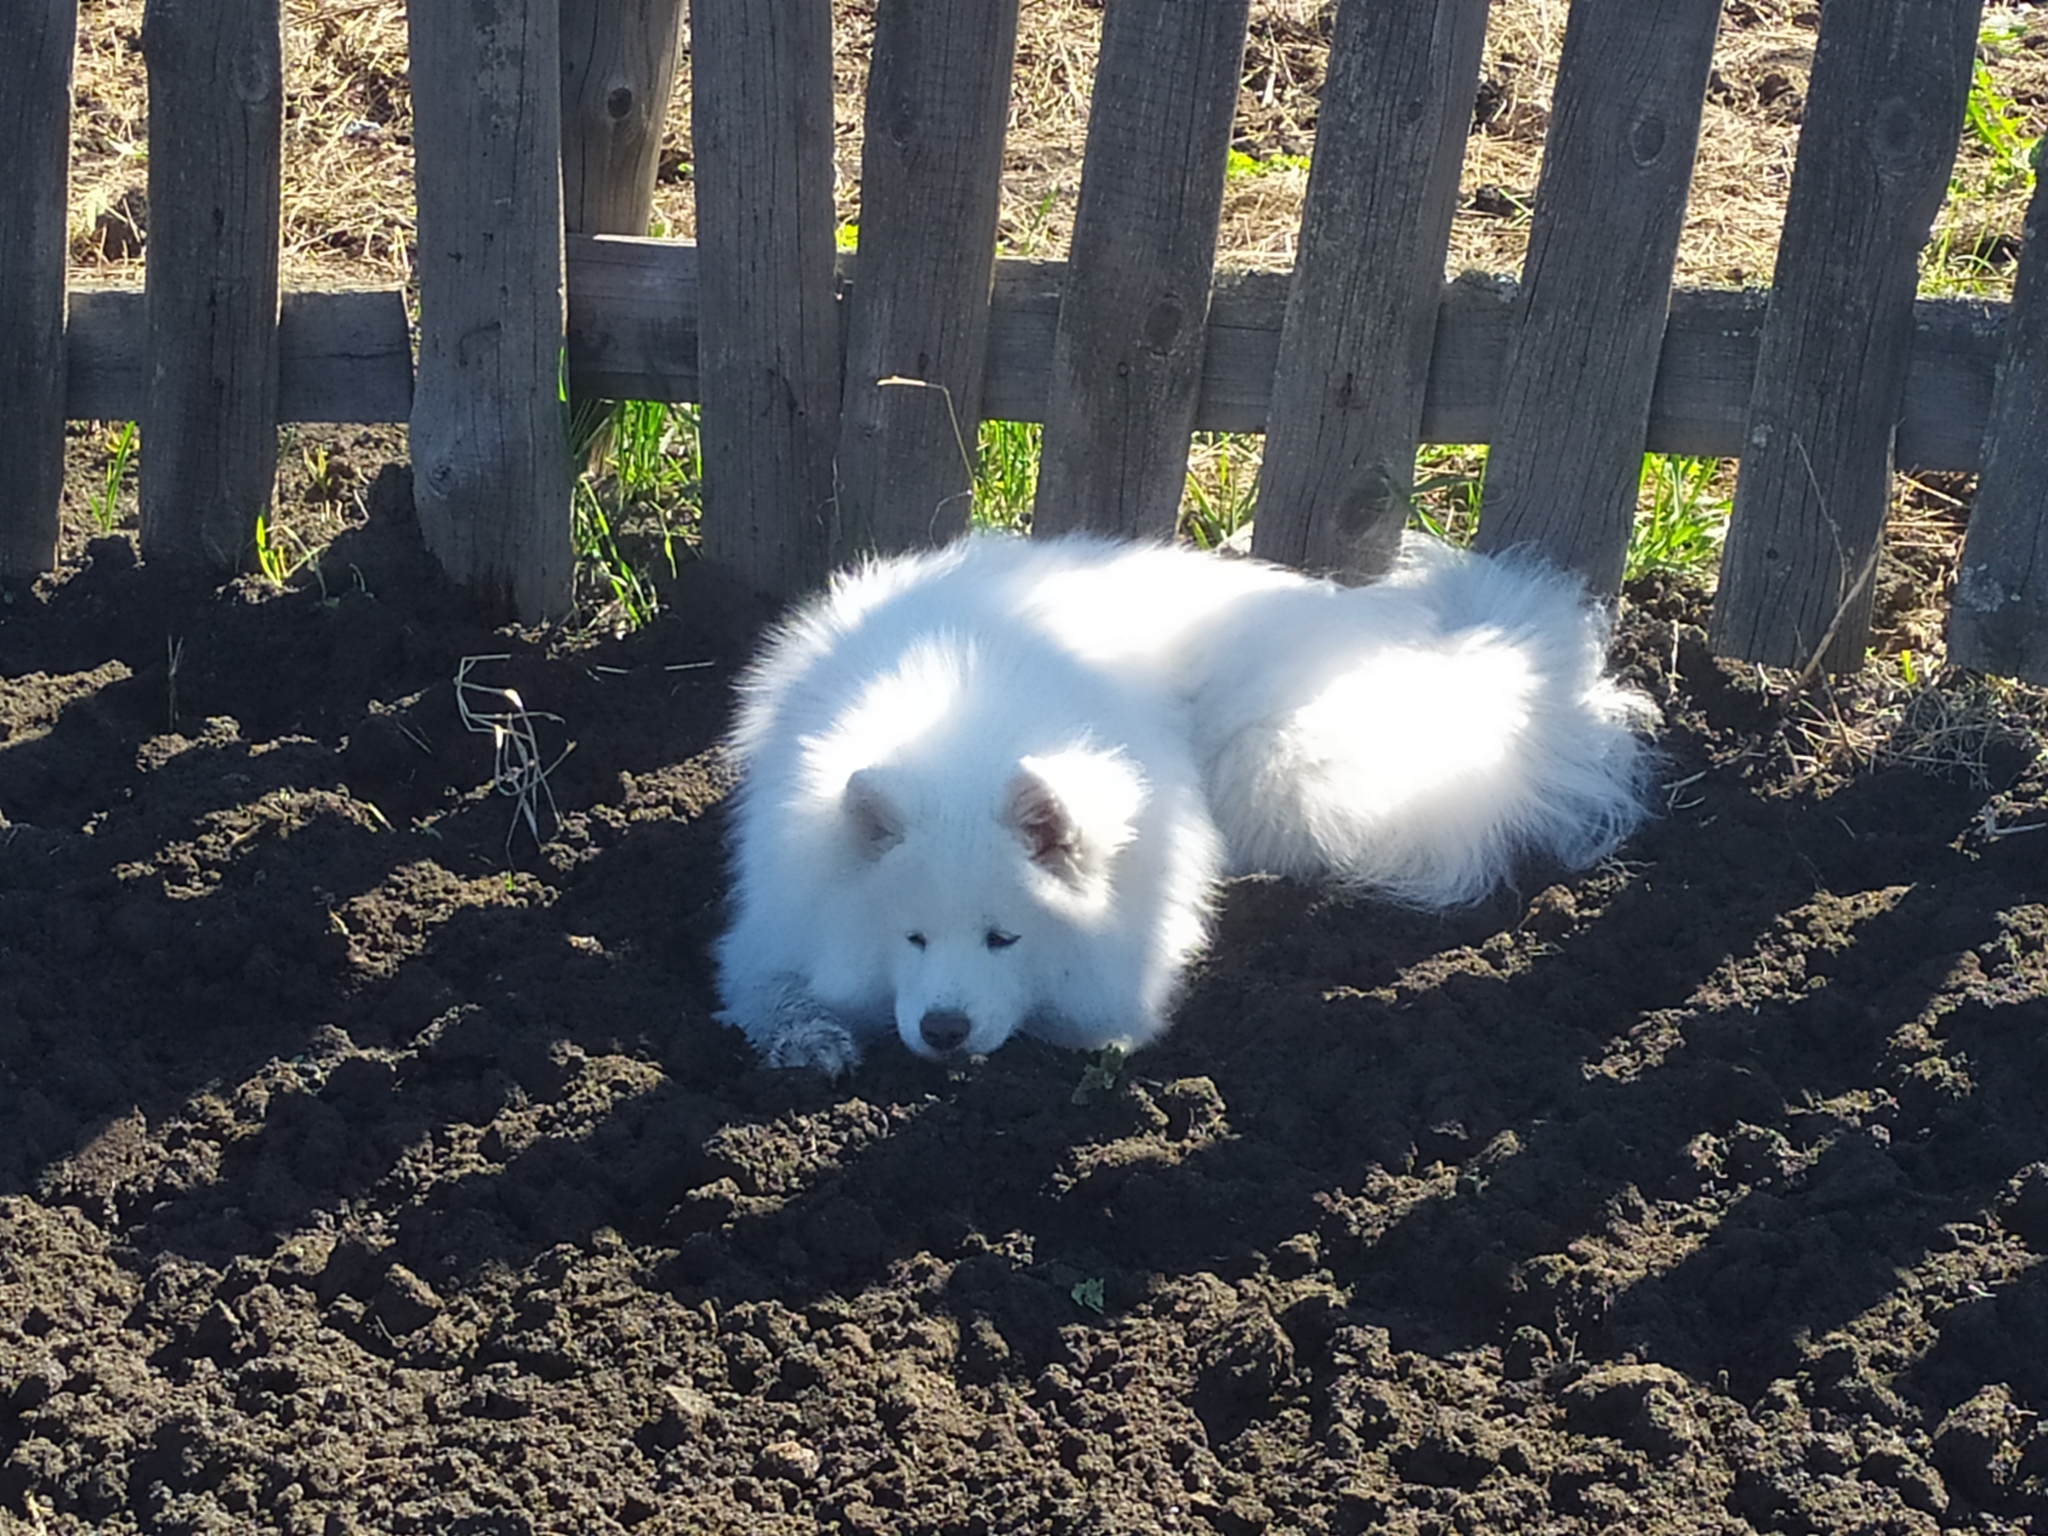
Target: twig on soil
[
  {"x": 174, "y": 653},
  {"x": 1989, "y": 829},
  {"x": 1672, "y": 791},
  {"x": 516, "y": 768}
]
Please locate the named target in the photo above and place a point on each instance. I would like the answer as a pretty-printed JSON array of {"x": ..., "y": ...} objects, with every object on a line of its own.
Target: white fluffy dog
[{"x": 993, "y": 787}]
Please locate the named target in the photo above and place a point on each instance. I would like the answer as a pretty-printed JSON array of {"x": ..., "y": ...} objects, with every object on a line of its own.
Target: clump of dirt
[{"x": 367, "y": 1164}]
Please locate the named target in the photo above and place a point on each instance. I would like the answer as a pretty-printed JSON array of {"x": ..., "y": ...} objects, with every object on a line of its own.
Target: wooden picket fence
[{"x": 836, "y": 393}]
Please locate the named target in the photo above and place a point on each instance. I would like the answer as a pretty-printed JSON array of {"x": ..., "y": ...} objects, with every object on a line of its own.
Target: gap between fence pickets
[{"x": 345, "y": 356}]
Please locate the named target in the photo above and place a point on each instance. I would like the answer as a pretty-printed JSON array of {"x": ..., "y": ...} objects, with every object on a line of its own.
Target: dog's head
[{"x": 982, "y": 904}]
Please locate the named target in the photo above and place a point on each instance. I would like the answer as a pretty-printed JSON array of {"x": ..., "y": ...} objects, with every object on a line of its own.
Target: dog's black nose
[{"x": 945, "y": 1029}]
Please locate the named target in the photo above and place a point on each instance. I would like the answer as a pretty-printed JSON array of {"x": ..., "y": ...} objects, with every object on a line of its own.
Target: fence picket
[
  {"x": 931, "y": 174},
  {"x": 1998, "y": 621},
  {"x": 618, "y": 68},
  {"x": 489, "y": 430},
  {"x": 1354, "y": 357},
  {"x": 1127, "y": 357},
  {"x": 36, "y": 46},
  {"x": 209, "y": 414},
  {"x": 768, "y": 340},
  {"x": 1883, "y": 112},
  {"x": 1567, "y": 453}
]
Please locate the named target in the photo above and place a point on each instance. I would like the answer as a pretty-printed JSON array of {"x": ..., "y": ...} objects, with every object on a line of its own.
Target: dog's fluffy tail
[{"x": 1421, "y": 736}]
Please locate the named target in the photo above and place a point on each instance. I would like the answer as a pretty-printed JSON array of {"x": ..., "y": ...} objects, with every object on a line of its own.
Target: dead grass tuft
[
  {"x": 1952, "y": 725},
  {"x": 348, "y": 212}
]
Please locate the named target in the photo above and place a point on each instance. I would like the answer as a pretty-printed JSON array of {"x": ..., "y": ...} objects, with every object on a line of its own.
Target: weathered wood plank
[
  {"x": 633, "y": 336},
  {"x": 768, "y": 344},
  {"x": 1699, "y": 405},
  {"x": 1127, "y": 357},
  {"x": 618, "y": 68},
  {"x": 344, "y": 356},
  {"x": 209, "y": 416},
  {"x": 1883, "y": 112},
  {"x": 104, "y": 340},
  {"x": 489, "y": 426},
  {"x": 37, "y": 39},
  {"x": 1998, "y": 619},
  {"x": 1355, "y": 345},
  {"x": 931, "y": 172},
  {"x": 633, "y": 318},
  {"x": 1567, "y": 456}
]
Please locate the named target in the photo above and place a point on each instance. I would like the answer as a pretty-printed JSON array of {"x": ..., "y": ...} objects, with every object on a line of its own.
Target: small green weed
[
  {"x": 120, "y": 450},
  {"x": 632, "y": 601},
  {"x": 280, "y": 553},
  {"x": 1005, "y": 474},
  {"x": 1089, "y": 1294},
  {"x": 1682, "y": 511},
  {"x": 1448, "y": 480},
  {"x": 1033, "y": 240},
  {"x": 1681, "y": 517},
  {"x": 1104, "y": 1070},
  {"x": 1993, "y": 119},
  {"x": 1239, "y": 165},
  {"x": 639, "y": 493},
  {"x": 1976, "y": 237},
  {"x": 323, "y": 483},
  {"x": 1223, "y": 481},
  {"x": 1222, "y": 475}
]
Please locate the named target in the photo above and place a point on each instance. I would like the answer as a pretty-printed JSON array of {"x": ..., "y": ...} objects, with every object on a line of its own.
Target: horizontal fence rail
[{"x": 345, "y": 356}]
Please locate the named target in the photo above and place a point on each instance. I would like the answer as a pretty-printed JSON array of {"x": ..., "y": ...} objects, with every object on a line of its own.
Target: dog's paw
[{"x": 812, "y": 1042}]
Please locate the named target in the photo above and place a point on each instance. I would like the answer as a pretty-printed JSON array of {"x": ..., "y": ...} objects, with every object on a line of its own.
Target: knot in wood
[
  {"x": 1163, "y": 323},
  {"x": 1366, "y": 505},
  {"x": 1897, "y": 135},
  {"x": 255, "y": 77},
  {"x": 902, "y": 124},
  {"x": 618, "y": 104},
  {"x": 1646, "y": 138}
]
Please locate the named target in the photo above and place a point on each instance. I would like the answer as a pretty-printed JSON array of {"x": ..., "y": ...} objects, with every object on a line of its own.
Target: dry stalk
[{"x": 516, "y": 766}]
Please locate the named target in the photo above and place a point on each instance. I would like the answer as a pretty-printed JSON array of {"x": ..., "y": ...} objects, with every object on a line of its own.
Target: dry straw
[{"x": 517, "y": 767}]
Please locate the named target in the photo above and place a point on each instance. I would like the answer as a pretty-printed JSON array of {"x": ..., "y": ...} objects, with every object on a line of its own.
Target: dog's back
[{"x": 1423, "y": 736}]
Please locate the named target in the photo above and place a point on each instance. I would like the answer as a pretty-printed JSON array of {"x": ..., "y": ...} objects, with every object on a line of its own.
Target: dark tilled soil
[{"x": 352, "y": 1183}]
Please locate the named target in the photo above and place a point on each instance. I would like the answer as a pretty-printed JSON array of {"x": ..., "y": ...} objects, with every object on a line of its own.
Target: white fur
[{"x": 993, "y": 787}]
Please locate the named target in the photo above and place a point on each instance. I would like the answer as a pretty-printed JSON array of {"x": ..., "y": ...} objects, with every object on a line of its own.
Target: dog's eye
[
  {"x": 916, "y": 940},
  {"x": 995, "y": 938}
]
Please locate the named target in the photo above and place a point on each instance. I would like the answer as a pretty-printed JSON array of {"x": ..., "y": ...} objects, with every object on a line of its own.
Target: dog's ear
[
  {"x": 1073, "y": 810},
  {"x": 873, "y": 820}
]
